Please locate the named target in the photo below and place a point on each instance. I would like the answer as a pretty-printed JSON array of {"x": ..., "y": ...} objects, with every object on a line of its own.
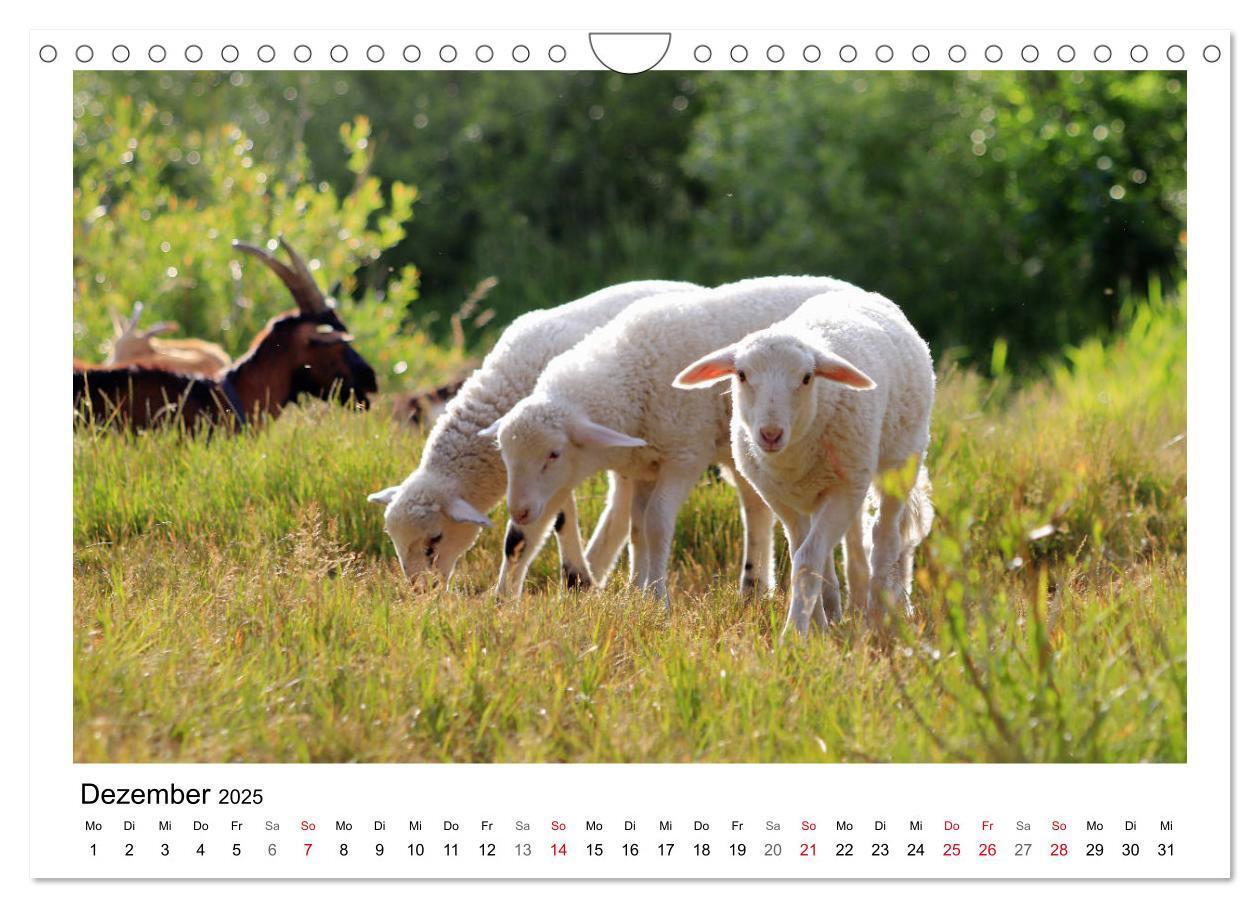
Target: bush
[
  {"x": 1020, "y": 205},
  {"x": 156, "y": 210},
  {"x": 1015, "y": 205}
]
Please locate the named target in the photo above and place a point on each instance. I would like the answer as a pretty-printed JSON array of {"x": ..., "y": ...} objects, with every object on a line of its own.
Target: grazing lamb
[
  {"x": 608, "y": 404},
  {"x": 812, "y": 448},
  {"x": 434, "y": 515}
]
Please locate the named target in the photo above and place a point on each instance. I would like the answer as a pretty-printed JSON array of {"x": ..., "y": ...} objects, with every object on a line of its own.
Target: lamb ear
[
  {"x": 593, "y": 435},
  {"x": 461, "y": 511},
  {"x": 838, "y": 369},
  {"x": 708, "y": 371},
  {"x": 384, "y": 496},
  {"x": 492, "y": 430}
]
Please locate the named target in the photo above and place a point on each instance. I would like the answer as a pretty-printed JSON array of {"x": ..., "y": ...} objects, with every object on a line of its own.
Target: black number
[
  {"x": 1093, "y": 850},
  {"x": 380, "y": 849},
  {"x": 1165, "y": 849},
  {"x": 844, "y": 849},
  {"x": 240, "y": 796},
  {"x": 236, "y": 849},
  {"x": 739, "y": 849},
  {"x": 1130, "y": 849},
  {"x": 913, "y": 850},
  {"x": 129, "y": 850},
  {"x": 879, "y": 850},
  {"x": 702, "y": 849},
  {"x": 344, "y": 849},
  {"x": 166, "y": 850},
  {"x": 487, "y": 849},
  {"x": 415, "y": 849}
]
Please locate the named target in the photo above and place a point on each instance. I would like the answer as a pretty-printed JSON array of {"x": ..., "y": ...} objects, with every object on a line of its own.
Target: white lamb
[
  {"x": 812, "y": 449},
  {"x": 609, "y": 404},
  {"x": 434, "y": 515}
]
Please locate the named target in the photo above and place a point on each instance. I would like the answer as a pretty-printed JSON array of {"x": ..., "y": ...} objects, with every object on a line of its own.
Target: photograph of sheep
[{"x": 854, "y": 403}]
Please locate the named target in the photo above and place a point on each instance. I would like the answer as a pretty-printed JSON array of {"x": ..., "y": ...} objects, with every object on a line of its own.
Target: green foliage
[
  {"x": 1019, "y": 203},
  {"x": 265, "y": 619},
  {"x": 1024, "y": 205},
  {"x": 156, "y": 210}
]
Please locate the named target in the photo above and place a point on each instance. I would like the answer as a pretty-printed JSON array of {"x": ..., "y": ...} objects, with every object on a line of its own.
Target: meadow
[{"x": 236, "y": 599}]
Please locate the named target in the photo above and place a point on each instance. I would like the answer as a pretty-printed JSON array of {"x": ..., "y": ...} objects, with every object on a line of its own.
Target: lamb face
[
  {"x": 773, "y": 384},
  {"x": 538, "y": 454},
  {"x": 774, "y": 395},
  {"x": 430, "y": 530},
  {"x": 548, "y": 447}
]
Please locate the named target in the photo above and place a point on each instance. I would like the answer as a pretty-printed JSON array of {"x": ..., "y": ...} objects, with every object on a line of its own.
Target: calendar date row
[{"x": 629, "y": 849}]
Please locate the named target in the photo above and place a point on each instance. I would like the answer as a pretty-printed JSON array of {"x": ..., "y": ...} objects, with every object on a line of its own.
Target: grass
[{"x": 236, "y": 599}]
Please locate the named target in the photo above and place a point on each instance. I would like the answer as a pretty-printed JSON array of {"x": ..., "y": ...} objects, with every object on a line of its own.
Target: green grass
[{"x": 236, "y": 599}]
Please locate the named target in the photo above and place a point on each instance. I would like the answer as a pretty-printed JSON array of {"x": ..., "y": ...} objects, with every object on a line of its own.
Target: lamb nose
[
  {"x": 521, "y": 515},
  {"x": 771, "y": 435}
]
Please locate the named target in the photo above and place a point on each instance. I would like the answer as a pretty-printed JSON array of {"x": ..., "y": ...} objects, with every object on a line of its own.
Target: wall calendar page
[{"x": 673, "y": 453}]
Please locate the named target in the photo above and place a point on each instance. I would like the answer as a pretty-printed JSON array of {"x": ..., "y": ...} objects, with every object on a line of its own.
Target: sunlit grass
[{"x": 236, "y": 599}]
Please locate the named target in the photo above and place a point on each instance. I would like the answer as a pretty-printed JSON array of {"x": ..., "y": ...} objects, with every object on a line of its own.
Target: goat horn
[
  {"x": 161, "y": 328},
  {"x": 299, "y": 289},
  {"x": 318, "y": 302}
]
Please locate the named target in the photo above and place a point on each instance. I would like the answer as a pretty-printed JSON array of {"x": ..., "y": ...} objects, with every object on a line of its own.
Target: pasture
[{"x": 236, "y": 599}]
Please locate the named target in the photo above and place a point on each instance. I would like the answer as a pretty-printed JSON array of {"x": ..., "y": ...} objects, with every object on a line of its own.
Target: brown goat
[
  {"x": 305, "y": 351},
  {"x": 187, "y": 355},
  {"x": 422, "y": 408}
]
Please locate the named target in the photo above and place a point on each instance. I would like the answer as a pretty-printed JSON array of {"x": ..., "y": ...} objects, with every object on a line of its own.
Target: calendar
[
  {"x": 673, "y": 453},
  {"x": 564, "y": 827}
]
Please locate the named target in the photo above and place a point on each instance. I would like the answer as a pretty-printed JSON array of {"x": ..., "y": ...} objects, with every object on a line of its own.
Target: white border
[{"x": 1195, "y": 794}]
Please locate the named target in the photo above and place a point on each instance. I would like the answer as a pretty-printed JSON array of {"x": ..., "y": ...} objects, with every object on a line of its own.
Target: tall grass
[{"x": 236, "y": 599}]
